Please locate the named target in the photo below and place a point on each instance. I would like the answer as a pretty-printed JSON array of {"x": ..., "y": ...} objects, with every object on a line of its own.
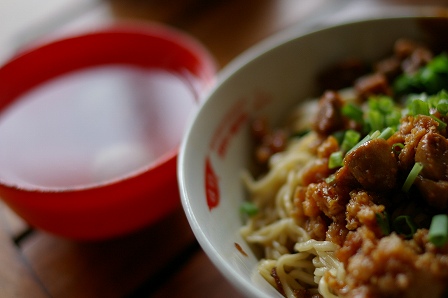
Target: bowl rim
[{"x": 206, "y": 76}]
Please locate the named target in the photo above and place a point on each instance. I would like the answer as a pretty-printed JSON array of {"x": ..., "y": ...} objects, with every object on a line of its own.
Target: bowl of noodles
[{"x": 318, "y": 165}]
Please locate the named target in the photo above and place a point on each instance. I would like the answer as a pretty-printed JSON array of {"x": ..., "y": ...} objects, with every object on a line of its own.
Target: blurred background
[{"x": 231, "y": 25}]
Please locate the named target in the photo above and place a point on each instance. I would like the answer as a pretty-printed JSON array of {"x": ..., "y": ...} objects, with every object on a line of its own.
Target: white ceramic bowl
[{"x": 267, "y": 80}]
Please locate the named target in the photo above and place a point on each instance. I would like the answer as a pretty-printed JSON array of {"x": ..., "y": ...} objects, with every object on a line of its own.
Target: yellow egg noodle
[{"x": 274, "y": 227}]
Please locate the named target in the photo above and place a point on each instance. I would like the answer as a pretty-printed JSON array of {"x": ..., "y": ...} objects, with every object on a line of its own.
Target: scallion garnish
[
  {"x": 422, "y": 104},
  {"x": 429, "y": 79},
  {"x": 330, "y": 179},
  {"x": 385, "y": 104},
  {"x": 353, "y": 112},
  {"x": 382, "y": 113},
  {"x": 376, "y": 120},
  {"x": 397, "y": 147},
  {"x": 364, "y": 140},
  {"x": 382, "y": 220},
  {"x": 442, "y": 106},
  {"x": 351, "y": 138},
  {"x": 442, "y": 125},
  {"x": 418, "y": 107},
  {"x": 375, "y": 135},
  {"x": 393, "y": 118},
  {"x": 416, "y": 169},
  {"x": 386, "y": 133},
  {"x": 405, "y": 226},
  {"x": 335, "y": 160},
  {"x": 438, "y": 231},
  {"x": 339, "y": 136},
  {"x": 249, "y": 208}
]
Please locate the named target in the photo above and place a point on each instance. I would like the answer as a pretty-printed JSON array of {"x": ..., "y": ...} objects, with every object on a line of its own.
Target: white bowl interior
[{"x": 267, "y": 80}]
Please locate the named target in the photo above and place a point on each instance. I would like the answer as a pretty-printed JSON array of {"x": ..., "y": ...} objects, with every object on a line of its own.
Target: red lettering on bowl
[
  {"x": 235, "y": 126},
  {"x": 224, "y": 123},
  {"x": 211, "y": 185}
]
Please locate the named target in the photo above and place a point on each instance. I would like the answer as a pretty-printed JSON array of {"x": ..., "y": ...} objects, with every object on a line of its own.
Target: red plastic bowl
[{"x": 122, "y": 204}]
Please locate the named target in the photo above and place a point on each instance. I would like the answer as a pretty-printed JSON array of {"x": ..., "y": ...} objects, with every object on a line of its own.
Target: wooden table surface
[{"x": 163, "y": 260}]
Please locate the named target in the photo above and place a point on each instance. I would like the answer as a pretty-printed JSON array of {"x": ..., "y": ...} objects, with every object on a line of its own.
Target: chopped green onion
[
  {"x": 386, "y": 133},
  {"x": 336, "y": 160},
  {"x": 442, "y": 125},
  {"x": 339, "y": 136},
  {"x": 438, "y": 231},
  {"x": 429, "y": 79},
  {"x": 397, "y": 147},
  {"x": 405, "y": 83},
  {"x": 382, "y": 220},
  {"x": 375, "y": 135},
  {"x": 364, "y": 140},
  {"x": 439, "y": 63},
  {"x": 373, "y": 103},
  {"x": 330, "y": 179},
  {"x": 381, "y": 103},
  {"x": 367, "y": 138},
  {"x": 382, "y": 113},
  {"x": 418, "y": 107},
  {"x": 353, "y": 112},
  {"x": 442, "y": 95},
  {"x": 249, "y": 208},
  {"x": 404, "y": 225},
  {"x": 393, "y": 118},
  {"x": 416, "y": 169},
  {"x": 351, "y": 138},
  {"x": 375, "y": 119},
  {"x": 442, "y": 106},
  {"x": 414, "y": 96},
  {"x": 385, "y": 104},
  {"x": 433, "y": 76}
]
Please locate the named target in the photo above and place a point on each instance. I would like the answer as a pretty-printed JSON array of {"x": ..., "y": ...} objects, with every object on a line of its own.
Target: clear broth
[{"x": 93, "y": 125}]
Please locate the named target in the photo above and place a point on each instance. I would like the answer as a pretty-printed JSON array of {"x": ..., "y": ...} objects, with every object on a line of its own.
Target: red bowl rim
[{"x": 205, "y": 68}]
